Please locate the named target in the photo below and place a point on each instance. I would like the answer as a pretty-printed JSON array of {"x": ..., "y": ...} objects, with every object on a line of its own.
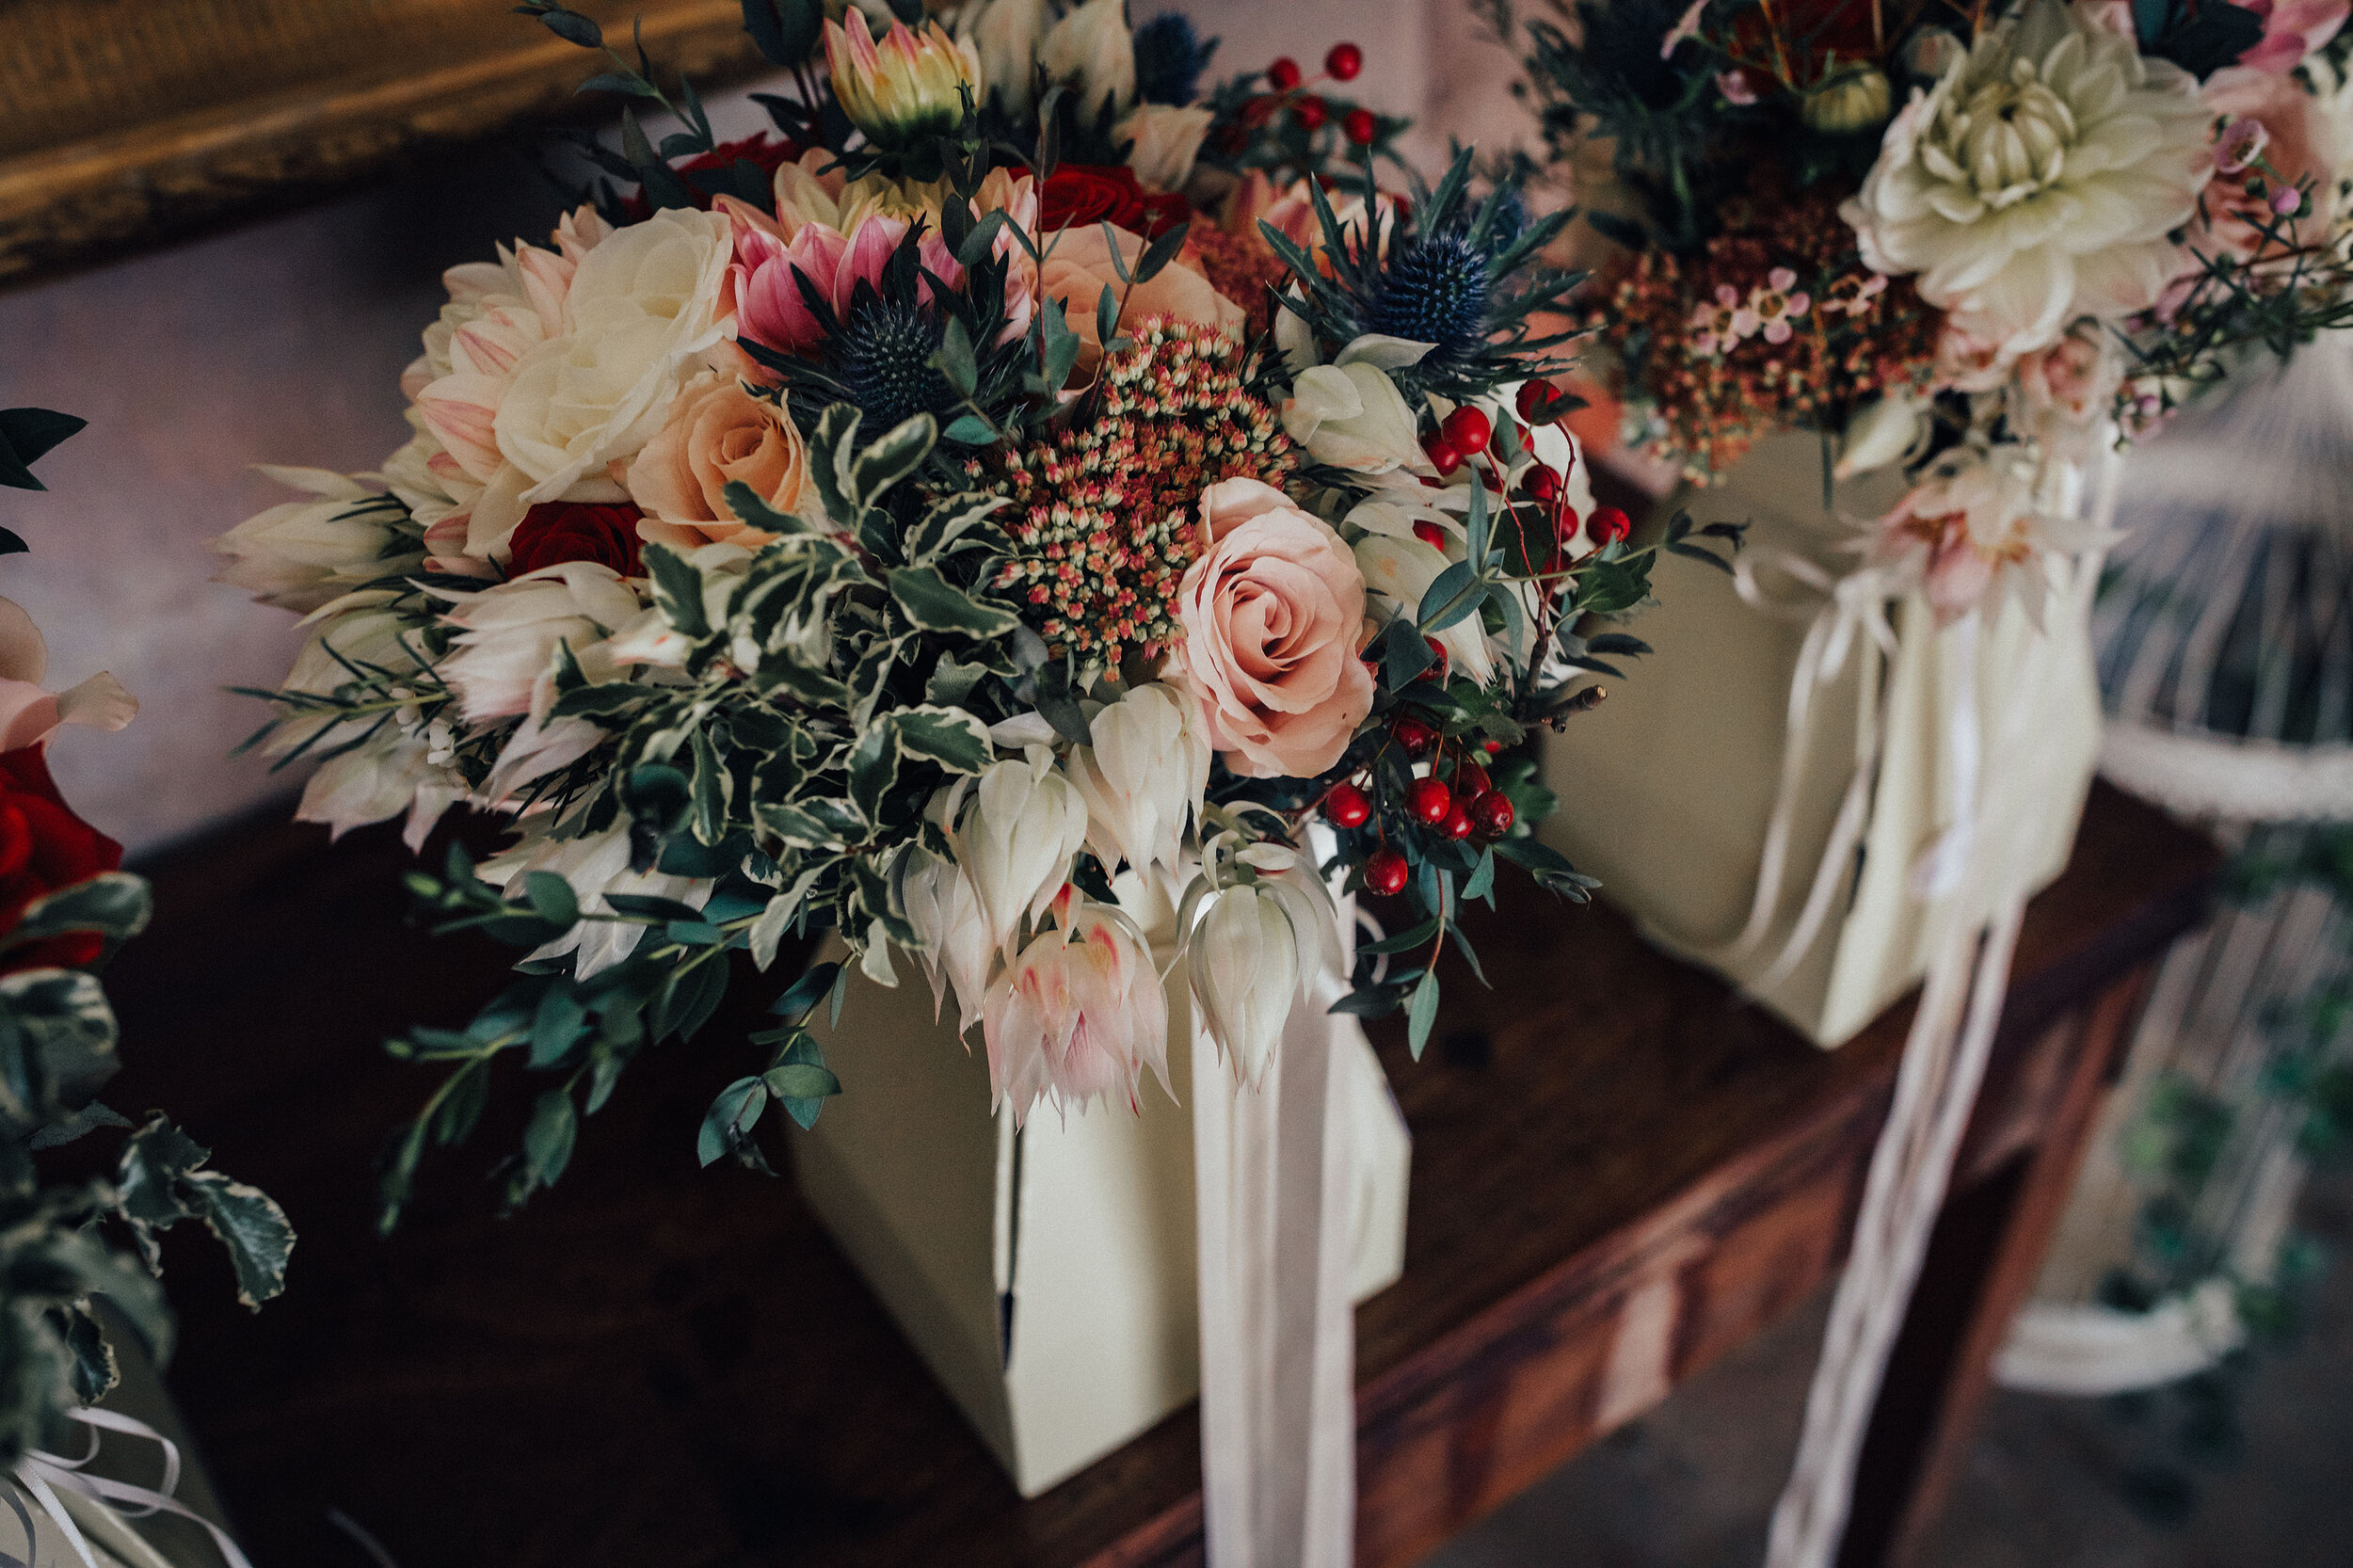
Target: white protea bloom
[
  {"x": 1148, "y": 766},
  {"x": 503, "y": 663},
  {"x": 1260, "y": 927},
  {"x": 298, "y": 554},
  {"x": 945, "y": 910},
  {"x": 2037, "y": 181},
  {"x": 1014, "y": 831},
  {"x": 1352, "y": 416},
  {"x": 1078, "y": 1015},
  {"x": 381, "y": 778},
  {"x": 595, "y": 864}
]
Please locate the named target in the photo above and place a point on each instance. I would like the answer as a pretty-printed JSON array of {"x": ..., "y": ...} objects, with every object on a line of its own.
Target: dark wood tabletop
[{"x": 1618, "y": 1171}]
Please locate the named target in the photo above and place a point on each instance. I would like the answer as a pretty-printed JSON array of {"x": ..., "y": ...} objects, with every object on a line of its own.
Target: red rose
[
  {"x": 43, "y": 847},
  {"x": 554, "y": 532},
  {"x": 770, "y": 153},
  {"x": 1103, "y": 192}
]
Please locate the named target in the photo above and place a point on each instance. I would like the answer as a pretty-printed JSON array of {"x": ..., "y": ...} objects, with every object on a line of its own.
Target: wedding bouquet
[
  {"x": 65, "y": 908},
  {"x": 1965, "y": 240},
  {"x": 1017, "y": 494}
]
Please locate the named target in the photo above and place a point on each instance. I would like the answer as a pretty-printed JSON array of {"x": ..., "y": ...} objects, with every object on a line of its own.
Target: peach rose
[
  {"x": 718, "y": 433},
  {"x": 1079, "y": 269},
  {"x": 1272, "y": 614}
]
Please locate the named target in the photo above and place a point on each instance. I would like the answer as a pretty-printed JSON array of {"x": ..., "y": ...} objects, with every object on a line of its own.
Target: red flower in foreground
[
  {"x": 769, "y": 153},
  {"x": 43, "y": 847},
  {"x": 554, "y": 532},
  {"x": 1098, "y": 193}
]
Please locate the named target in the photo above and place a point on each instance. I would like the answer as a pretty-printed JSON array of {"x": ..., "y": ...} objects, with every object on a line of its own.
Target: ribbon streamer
[
  {"x": 1972, "y": 865},
  {"x": 1274, "y": 1176},
  {"x": 52, "y": 1479}
]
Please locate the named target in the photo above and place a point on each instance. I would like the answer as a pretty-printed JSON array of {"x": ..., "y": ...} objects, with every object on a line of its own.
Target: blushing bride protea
[
  {"x": 1977, "y": 529},
  {"x": 2034, "y": 183}
]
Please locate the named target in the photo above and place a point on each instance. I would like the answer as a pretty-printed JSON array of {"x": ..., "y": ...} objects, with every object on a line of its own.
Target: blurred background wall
[{"x": 282, "y": 341}]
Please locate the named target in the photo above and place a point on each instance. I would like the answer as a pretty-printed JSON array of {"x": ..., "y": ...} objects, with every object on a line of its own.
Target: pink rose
[{"x": 1272, "y": 614}]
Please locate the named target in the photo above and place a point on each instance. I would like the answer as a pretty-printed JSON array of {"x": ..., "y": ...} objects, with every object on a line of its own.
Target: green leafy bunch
[
  {"x": 827, "y": 688},
  {"x": 65, "y": 1244}
]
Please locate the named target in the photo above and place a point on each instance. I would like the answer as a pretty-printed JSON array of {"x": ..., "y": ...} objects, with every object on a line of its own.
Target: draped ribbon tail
[
  {"x": 1273, "y": 1178},
  {"x": 77, "y": 1503}
]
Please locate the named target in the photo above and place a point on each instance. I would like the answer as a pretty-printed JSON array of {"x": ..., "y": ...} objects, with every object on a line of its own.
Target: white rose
[
  {"x": 1167, "y": 139},
  {"x": 300, "y": 554},
  {"x": 643, "y": 304},
  {"x": 1092, "y": 46},
  {"x": 503, "y": 663}
]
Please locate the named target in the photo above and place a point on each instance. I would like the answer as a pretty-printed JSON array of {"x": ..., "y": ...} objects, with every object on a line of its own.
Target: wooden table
[{"x": 1619, "y": 1174}]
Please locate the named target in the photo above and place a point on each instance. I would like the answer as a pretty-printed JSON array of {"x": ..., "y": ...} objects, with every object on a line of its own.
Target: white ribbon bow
[{"x": 44, "y": 1475}]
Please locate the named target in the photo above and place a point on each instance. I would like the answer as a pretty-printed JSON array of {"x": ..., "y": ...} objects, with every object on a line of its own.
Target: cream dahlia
[{"x": 2036, "y": 182}]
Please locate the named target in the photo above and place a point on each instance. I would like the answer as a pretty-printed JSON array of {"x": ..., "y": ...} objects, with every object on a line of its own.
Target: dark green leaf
[
  {"x": 936, "y": 604},
  {"x": 730, "y": 1119},
  {"x": 251, "y": 1225},
  {"x": 1422, "y": 1014},
  {"x": 552, "y": 898},
  {"x": 549, "y": 1136},
  {"x": 114, "y": 904},
  {"x": 25, "y": 435}
]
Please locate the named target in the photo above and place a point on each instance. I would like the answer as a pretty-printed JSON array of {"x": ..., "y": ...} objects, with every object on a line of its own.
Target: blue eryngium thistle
[
  {"x": 1170, "y": 58},
  {"x": 1433, "y": 290},
  {"x": 885, "y": 352}
]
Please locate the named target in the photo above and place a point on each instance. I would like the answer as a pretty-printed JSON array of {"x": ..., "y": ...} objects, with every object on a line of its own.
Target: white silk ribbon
[
  {"x": 1842, "y": 614},
  {"x": 45, "y": 1476},
  {"x": 1971, "y": 867},
  {"x": 1273, "y": 1180}
]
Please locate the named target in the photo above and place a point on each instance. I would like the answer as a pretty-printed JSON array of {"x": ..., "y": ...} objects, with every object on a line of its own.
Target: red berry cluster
[
  {"x": 1289, "y": 83},
  {"x": 1463, "y": 803}
]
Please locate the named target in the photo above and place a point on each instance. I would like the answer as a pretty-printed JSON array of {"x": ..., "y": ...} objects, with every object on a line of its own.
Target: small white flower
[
  {"x": 1093, "y": 48},
  {"x": 1268, "y": 931},
  {"x": 1020, "y": 824},
  {"x": 595, "y": 864},
  {"x": 1352, "y": 417},
  {"x": 1149, "y": 764},
  {"x": 388, "y": 775},
  {"x": 1167, "y": 139},
  {"x": 945, "y": 911},
  {"x": 300, "y": 554}
]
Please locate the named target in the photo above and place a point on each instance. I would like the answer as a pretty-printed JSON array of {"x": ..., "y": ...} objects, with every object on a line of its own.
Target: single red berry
[
  {"x": 1415, "y": 736},
  {"x": 1608, "y": 524},
  {"x": 1311, "y": 113},
  {"x": 1472, "y": 783},
  {"x": 1346, "y": 806},
  {"x": 1494, "y": 814},
  {"x": 1429, "y": 533},
  {"x": 1533, "y": 400},
  {"x": 1343, "y": 62},
  {"x": 1569, "y": 523},
  {"x": 1430, "y": 800},
  {"x": 1444, "y": 454},
  {"x": 1360, "y": 127},
  {"x": 1457, "y": 823},
  {"x": 1491, "y": 748},
  {"x": 1437, "y": 650},
  {"x": 1542, "y": 484},
  {"x": 1384, "y": 872},
  {"x": 1282, "y": 75},
  {"x": 1468, "y": 429}
]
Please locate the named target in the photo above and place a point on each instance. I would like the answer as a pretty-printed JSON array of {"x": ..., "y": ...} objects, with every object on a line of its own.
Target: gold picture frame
[{"x": 124, "y": 122}]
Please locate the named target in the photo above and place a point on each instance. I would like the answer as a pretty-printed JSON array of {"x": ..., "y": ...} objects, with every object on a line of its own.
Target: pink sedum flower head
[
  {"x": 1079, "y": 1015},
  {"x": 908, "y": 87}
]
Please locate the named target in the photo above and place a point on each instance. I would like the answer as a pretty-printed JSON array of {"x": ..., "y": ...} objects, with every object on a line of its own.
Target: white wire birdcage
[{"x": 2225, "y": 639}]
